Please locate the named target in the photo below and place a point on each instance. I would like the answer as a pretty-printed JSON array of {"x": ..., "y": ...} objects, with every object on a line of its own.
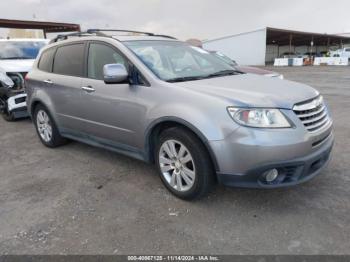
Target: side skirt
[{"x": 104, "y": 143}]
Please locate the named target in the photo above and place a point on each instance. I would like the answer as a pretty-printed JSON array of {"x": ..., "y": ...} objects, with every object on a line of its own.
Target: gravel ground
[{"x": 81, "y": 200}]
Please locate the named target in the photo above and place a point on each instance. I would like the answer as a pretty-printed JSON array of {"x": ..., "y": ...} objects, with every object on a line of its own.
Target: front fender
[
  {"x": 205, "y": 125},
  {"x": 212, "y": 123}
]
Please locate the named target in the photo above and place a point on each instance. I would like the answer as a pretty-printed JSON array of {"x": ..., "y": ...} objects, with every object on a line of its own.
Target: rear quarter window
[
  {"x": 69, "y": 60},
  {"x": 46, "y": 60}
]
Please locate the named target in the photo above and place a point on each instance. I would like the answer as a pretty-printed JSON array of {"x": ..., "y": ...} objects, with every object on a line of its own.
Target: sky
[{"x": 203, "y": 19}]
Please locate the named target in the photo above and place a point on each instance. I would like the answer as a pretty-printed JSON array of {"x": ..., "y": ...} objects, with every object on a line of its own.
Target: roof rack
[
  {"x": 65, "y": 36},
  {"x": 99, "y": 31}
]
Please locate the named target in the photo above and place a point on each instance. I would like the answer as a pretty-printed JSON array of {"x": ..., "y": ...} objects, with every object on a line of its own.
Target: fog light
[{"x": 271, "y": 175}]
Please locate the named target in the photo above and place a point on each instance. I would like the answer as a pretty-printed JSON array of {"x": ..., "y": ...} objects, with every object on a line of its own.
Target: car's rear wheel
[
  {"x": 46, "y": 128},
  {"x": 184, "y": 164}
]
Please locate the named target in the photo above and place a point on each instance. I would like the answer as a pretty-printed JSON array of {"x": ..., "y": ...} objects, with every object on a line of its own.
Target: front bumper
[
  {"x": 246, "y": 155},
  {"x": 17, "y": 105}
]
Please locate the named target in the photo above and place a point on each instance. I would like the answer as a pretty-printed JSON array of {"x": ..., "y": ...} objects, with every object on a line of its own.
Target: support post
[{"x": 328, "y": 43}]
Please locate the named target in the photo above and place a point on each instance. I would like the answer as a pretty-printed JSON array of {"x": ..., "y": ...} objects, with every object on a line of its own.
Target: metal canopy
[
  {"x": 47, "y": 27},
  {"x": 282, "y": 37}
]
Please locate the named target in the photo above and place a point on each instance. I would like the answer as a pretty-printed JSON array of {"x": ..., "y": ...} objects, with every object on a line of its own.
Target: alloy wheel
[
  {"x": 44, "y": 126},
  {"x": 177, "y": 165}
]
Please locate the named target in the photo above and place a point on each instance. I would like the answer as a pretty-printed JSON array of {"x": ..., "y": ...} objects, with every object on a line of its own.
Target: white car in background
[
  {"x": 344, "y": 52},
  {"x": 16, "y": 59}
]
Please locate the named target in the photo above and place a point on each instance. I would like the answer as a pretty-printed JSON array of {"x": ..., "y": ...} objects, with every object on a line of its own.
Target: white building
[{"x": 262, "y": 46}]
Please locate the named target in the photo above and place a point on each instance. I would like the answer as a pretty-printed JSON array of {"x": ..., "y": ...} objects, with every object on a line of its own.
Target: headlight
[
  {"x": 259, "y": 117},
  {"x": 6, "y": 80}
]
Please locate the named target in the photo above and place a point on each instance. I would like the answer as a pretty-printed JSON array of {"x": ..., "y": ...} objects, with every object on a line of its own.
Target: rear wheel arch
[
  {"x": 56, "y": 139},
  {"x": 37, "y": 103},
  {"x": 158, "y": 126},
  {"x": 33, "y": 106}
]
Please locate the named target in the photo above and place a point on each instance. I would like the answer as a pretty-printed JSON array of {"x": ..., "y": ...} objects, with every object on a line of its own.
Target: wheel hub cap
[{"x": 178, "y": 165}]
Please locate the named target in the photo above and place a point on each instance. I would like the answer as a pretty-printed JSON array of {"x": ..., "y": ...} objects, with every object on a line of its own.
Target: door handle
[
  {"x": 88, "y": 89},
  {"x": 48, "y": 81}
]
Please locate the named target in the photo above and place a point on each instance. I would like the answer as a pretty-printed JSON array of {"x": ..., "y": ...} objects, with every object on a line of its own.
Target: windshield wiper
[
  {"x": 216, "y": 74},
  {"x": 185, "y": 78},
  {"x": 223, "y": 73}
]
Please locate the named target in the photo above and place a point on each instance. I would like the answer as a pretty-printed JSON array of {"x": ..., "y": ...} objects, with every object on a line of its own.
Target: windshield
[
  {"x": 225, "y": 58},
  {"x": 177, "y": 61},
  {"x": 20, "y": 50}
]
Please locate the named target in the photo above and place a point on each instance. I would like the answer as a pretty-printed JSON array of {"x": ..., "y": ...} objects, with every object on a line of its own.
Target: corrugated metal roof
[
  {"x": 48, "y": 27},
  {"x": 282, "y": 37}
]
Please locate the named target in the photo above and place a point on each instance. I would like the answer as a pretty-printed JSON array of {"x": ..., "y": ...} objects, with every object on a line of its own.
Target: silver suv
[{"x": 163, "y": 101}]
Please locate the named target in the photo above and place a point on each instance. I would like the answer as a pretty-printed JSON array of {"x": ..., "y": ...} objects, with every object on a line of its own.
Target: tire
[
  {"x": 50, "y": 139},
  {"x": 9, "y": 117},
  {"x": 196, "y": 176}
]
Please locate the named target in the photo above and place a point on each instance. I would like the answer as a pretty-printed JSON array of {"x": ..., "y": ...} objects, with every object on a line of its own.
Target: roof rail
[
  {"x": 65, "y": 36},
  {"x": 99, "y": 31}
]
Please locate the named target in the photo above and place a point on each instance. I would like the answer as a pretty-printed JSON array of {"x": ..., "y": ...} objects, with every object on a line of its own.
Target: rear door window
[
  {"x": 69, "y": 60},
  {"x": 46, "y": 60}
]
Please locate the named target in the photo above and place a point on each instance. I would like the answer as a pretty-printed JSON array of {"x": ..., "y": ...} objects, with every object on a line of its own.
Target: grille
[{"x": 312, "y": 113}]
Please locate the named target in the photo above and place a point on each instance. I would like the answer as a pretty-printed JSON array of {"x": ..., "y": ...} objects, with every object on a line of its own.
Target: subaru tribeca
[{"x": 163, "y": 101}]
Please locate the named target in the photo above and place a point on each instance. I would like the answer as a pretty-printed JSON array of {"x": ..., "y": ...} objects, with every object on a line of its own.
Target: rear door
[{"x": 65, "y": 85}]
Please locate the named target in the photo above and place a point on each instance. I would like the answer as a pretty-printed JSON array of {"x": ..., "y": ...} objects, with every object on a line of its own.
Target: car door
[
  {"x": 111, "y": 111},
  {"x": 64, "y": 85}
]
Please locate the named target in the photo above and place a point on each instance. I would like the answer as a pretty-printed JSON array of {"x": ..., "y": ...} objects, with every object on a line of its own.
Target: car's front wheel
[
  {"x": 46, "y": 128},
  {"x": 8, "y": 116},
  {"x": 184, "y": 164}
]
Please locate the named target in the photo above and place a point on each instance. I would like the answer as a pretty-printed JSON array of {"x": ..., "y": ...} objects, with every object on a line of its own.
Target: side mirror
[{"x": 114, "y": 73}]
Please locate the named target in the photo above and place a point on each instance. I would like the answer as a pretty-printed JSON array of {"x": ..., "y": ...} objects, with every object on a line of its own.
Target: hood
[
  {"x": 249, "y": 90},
  {"x": 255, "y": 70},
  {"x": 16, "y": 65}
]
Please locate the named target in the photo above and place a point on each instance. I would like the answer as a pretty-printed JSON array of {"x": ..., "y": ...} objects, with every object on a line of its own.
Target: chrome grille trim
[
  {"x": 312, "y": 113},
  {"x": 309, "y": 105},
  {"x": 316, "y": 126},
  {"x": 315, "y": 117}
]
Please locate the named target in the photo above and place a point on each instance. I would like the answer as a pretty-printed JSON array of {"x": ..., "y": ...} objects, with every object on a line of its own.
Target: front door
[{"x": 110, "y": 110}]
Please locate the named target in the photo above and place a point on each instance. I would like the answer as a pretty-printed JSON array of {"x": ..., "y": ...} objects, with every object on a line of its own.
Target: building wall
[
  {"x": 271, "y": 53},
  {"x": 246, "y": 49}
]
